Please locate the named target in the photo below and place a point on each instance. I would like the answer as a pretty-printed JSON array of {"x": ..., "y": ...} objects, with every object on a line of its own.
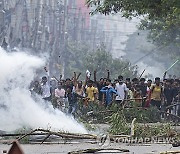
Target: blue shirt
[{"x": 109, "y": 93}]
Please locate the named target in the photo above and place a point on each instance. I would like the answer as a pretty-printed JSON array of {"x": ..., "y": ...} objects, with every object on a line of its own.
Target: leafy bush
[{"x": 150, "y": 115}]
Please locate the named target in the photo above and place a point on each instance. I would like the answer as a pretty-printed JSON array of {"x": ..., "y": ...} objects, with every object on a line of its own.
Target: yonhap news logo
[
  {"x": 104, "y": 140},
  {"x": 145, "y": 140}
]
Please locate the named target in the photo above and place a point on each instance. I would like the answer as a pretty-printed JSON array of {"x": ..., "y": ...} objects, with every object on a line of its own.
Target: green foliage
[
  {"x": 76, "y": 53},
  {"x": 105, "y": 115},
  {"x": 149, "y": 115},
  {"x": 118, "y": 124},
  {"x": 148, "y": 130},
  {"x": 164, "y": 31},
  {"x": 120, "y": 119},
  {"x": 81, "y": 58},
  {"x": 99, "y": 60},
  {"x": 129, "y": 8},
  {"x": 161, "y": 17},
  {"x": 102, "y": 60}
]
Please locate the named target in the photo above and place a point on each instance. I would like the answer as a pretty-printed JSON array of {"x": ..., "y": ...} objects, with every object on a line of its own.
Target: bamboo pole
[
  {"x": 172, "y": 105},
  {"x": 46, "y": 138}
]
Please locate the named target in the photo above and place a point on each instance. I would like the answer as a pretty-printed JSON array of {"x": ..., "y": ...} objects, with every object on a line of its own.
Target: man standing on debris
[
  {"x": 168, "y": 94},
  {"x": 60, "y": 95},
  {"x": 109, "y": 91},
  {"x": 143, "y": 90},
  {"x": 121, "y": 90},
  {"x": 91, "y": 91},
  {"x": 72, "y": 99},
  {"x": 100, "y": 84},
  {"x": 156, "y": 93}
]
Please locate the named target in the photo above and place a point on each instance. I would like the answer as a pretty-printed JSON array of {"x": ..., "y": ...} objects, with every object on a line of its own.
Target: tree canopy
[
  {"x": 161, "y": 17},
  {"x": 129, "y": 8},
  {"x": 81, "y": 58},
  {"x": 102, "y": 60}
]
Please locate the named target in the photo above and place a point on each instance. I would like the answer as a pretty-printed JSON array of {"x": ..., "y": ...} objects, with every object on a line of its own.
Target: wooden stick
[
  {"x": 106, "y": 111},
  {"x": 78, "y": 76},
  {"x": 119, "y": 136},
  {"x": 56, "y": 79},
  {"x": 63, "y": 135},
  {"x": 172, "y": 105},
  {"x": 135, "y": 99},
  {"x": 96, "y": 150},
  {"x": 7, "y": 135},
  {"x": 142, "y": 74},
  {"x": 26, "y": 135},
  {"x": 46, "y": 138},
  {"x": 170, "y": 152}
]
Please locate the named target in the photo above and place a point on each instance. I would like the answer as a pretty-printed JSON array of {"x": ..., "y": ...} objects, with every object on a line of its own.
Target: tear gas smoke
[{"x": 17, "y": 108}]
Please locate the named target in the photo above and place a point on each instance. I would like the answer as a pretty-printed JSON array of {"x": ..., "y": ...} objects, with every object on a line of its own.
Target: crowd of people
[{"x": 65, "y": 93}]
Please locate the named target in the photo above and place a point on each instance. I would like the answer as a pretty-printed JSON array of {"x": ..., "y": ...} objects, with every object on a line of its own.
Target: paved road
[{"x": 65, "y": 148}]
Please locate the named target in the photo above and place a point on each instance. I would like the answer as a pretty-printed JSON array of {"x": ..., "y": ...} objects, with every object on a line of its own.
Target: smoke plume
[{"x": 17, "y": 108}]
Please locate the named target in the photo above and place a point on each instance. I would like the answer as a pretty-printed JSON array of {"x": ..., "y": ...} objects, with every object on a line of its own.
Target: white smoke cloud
[{"x": 19, "y": 110}]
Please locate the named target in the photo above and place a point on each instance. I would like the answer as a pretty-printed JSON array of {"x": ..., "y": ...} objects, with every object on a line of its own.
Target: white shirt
[
  {"x": 45, "y": 90},
  {"x": 59, "y": 93},
  {"x": 121, "y": 88}
]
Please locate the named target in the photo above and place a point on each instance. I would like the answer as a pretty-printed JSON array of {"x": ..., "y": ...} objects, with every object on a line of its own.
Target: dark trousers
[
  {"x": 72, "y": 108},
  {"x": 143, "y": 103},
  {"x": 156, "y": 103},
  {"x": 119, "y": 103}
]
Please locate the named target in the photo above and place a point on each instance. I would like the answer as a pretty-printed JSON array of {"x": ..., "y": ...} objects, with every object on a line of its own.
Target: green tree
[
  {"x": 129, "y": 8},
  {"x": 80, "y": 59},
  {"x": 102, "y": 60},
  {"x": 161, "y": 18},
  {"x": 75, "y": 55}
]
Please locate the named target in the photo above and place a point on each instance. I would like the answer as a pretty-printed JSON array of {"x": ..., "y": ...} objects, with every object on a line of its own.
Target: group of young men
[{"x": 66, "y": 93}]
